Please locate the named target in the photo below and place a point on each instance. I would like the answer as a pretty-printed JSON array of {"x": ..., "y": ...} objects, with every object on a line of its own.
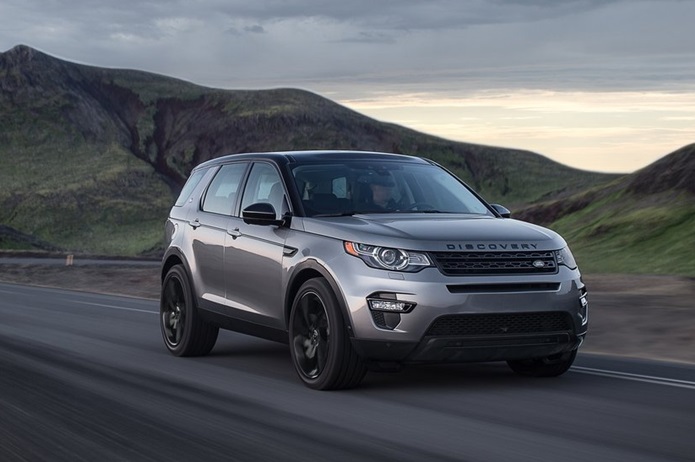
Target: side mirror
[
  {"x": 261, "y": 213},
  {"x": 503, "y": 211}
]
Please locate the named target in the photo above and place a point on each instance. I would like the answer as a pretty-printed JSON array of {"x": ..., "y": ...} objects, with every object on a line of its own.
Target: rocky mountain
[{"x": 92, "y": 157}]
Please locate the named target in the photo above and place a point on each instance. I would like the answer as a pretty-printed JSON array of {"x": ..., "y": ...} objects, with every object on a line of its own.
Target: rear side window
[
  {"x": 222, "y": 192},
  {"x": 188, "y": 188}
]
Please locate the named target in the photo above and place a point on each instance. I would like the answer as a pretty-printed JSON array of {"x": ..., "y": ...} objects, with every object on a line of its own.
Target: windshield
[{"x": 350, "y": 187}]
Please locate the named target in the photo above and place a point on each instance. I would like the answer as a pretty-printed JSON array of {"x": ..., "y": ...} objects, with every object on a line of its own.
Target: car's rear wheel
[
  {"x": 552, "y": 366},
  {"x": 184, "y": 332},
  {"x": 321, "y": 350}
]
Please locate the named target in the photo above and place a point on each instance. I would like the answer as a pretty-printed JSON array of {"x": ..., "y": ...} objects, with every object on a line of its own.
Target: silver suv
[{"x": 364, "y": 261}]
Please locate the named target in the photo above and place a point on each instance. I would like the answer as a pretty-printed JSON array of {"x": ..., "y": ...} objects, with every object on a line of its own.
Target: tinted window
[
  {"x": 265, "y": 185},
  {"x": 188, "y": 188},
  {"x": 222, "y": 192},
  {"x": 382, "y": 187}
]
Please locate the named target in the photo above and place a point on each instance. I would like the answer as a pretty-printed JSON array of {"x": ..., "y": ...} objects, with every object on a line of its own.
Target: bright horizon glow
[{"x": 618, "y": 132}]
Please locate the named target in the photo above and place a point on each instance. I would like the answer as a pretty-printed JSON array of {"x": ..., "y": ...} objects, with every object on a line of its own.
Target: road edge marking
[{"x": 635, "y": 377}]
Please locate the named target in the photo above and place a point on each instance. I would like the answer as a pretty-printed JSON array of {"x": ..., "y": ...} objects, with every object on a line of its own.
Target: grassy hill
[
  {"x": 91, "y": 158},
  {"x": 640, "y": 223}
]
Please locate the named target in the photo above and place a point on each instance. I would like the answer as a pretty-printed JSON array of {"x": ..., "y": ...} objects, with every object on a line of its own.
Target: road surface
[{"x": 86, "y": 377}]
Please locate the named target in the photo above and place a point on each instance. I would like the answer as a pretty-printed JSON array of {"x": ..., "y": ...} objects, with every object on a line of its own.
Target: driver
[{"x": 381, "y": 187}]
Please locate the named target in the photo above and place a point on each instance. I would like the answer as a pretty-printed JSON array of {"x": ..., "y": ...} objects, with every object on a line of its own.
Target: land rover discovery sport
[{"x": 362, "y": 260}]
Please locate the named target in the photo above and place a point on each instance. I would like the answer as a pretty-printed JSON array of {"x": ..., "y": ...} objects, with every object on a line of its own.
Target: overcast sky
[{"x": 603, "y": 85}]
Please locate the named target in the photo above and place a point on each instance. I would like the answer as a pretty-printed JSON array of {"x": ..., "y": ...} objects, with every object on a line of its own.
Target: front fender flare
[{"x": 300, "y": 274}]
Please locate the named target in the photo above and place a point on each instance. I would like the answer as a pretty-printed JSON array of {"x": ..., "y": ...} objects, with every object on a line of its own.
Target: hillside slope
[
  {"x": 92, "y": 158},
  {"x": 640, "y": 223}
]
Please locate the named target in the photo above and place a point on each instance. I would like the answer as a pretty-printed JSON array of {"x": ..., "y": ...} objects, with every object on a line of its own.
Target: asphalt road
[{"x": 86, "y": 377}]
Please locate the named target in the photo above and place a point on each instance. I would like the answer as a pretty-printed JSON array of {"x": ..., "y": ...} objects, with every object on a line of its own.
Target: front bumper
[
  {"x": 469, "y": 349},
  {"x": 407, "y": 337}
]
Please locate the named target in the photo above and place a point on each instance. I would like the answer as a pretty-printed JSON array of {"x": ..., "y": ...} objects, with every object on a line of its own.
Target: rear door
[{"x": 209, "y": 233}]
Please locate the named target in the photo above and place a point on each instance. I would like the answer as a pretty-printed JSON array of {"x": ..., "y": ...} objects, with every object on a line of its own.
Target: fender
[
  {"x": 314, "y": 265},
  {"x": 175, "y": 251}
]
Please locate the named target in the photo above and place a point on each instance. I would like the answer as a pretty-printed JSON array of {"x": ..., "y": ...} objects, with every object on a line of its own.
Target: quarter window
[{"x": 188, "y": 188}]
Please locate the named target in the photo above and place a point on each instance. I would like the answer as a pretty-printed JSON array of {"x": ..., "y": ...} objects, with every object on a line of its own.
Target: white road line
[
  {"x": 114, "y": 307},
  {"x": 635, "y": 377}
]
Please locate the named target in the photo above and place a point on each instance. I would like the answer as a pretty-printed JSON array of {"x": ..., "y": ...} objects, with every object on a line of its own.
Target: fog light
[
  {"x": 394, "y": 306},
  {"x": 584, "y": 309}
]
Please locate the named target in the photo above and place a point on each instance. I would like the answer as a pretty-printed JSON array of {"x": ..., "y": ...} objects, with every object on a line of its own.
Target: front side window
[
  {"x": 222, "y": 192},
  {"x": 265, "y": 185},
  {"x": 352, "y": 187}
]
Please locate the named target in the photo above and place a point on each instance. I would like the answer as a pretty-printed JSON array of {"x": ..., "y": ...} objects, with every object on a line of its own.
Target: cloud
[
  {"x": 409, "y": 14},
  {"x": 176, "y": 25},
  {"x": 255, "y": 29},
  {"x": 368, "y": 37},
  {"x": 569, "y": 44},
  {"x": 414, "y": 55}
]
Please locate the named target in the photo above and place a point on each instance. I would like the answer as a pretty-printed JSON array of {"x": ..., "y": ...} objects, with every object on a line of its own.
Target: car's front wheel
[
  {"x": 184, "y": 332},
  {"x": 552, "y": 366},
  {"x": 319, "y": 344}
]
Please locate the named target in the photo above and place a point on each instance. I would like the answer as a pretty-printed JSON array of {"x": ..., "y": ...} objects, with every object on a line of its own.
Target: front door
[{"x": 254, "y": 253}]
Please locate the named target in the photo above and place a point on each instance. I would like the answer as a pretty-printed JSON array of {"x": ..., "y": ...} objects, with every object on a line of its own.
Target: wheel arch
[
  {"x": 305, "y": 271},
  {"x": 171, "y": 258}
]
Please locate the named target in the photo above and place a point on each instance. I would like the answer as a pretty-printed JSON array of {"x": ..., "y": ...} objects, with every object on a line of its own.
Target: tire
[
  {"x": 319, "y": 344},
  {"x": 552, "y": 366},
  {"x": 184, "y": 332}
]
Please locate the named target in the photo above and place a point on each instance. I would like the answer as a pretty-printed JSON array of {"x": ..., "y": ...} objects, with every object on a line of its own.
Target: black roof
[{"x": 285, "y": 157}]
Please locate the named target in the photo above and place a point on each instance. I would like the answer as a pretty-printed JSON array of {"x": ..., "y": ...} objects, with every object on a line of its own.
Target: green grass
[
  {"x": 622, "y": 235},
  {"x": 83, "y": 198},
  {"x": 7, "y": 243},
  {"x": 152, "y": 87}
]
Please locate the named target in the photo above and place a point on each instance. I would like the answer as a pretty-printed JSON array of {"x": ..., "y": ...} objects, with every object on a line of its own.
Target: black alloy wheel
[
  {"x": 311, "y": 334},
  {"x": 184, "y": 332},
  {"x": 171, "y": 312},
  {"x": 321, "y": 350}
]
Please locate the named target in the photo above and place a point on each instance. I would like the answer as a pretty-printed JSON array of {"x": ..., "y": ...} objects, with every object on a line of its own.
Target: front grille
[
  {"x": 500, "y": 324},
  {"x": 482, "y": 263},
  {"x": 503, "y": 288},
  {"x": 497, "y": 341}
]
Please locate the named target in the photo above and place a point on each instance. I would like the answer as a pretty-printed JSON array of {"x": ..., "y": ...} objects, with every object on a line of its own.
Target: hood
[{"x": 437, "y": 232}]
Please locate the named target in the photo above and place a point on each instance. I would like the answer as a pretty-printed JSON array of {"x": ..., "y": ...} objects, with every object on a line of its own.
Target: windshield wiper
[
  {"x": 368, "y": 212},
  {"x": 339, "y": 214},
  {"x": 425, "y": 211}
]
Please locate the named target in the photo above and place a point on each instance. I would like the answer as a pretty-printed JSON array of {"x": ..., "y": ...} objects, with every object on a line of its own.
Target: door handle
[
  {"x": 194, "y": 224},
  {"x": 234, "y": 232}
]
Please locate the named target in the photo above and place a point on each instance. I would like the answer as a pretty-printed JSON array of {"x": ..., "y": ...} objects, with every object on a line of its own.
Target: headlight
[
  {"x": 565, "y": 257},
  {"x": 388, "y": 258}
]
